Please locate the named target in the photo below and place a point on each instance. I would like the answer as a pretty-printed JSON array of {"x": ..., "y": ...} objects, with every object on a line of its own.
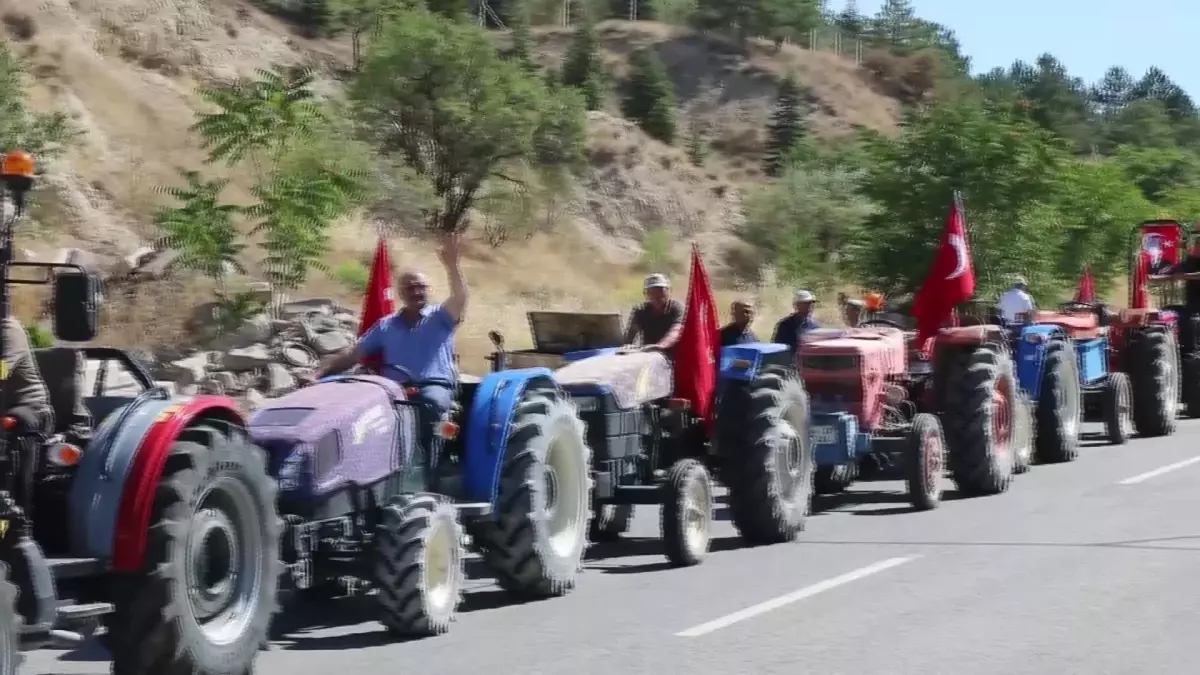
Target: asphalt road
[{"x": 1088, "y": 567}]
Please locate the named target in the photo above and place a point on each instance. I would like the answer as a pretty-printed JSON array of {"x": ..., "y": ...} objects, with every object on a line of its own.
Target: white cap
[
  {"x": 657, "y": 281},
  {"x": 804, "y": 296},
  {"x": 1020, "y": 281}
]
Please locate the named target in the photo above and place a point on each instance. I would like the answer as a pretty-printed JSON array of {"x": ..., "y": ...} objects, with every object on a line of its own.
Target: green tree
[
  {"x": 302, "y": 181},
  {"x": 436, "y": 94},
  {"x": 583, "y": 67},
  {"x": 42, "y": 135},
  {"x": 362, "y": 18},
  {"x": 202, "y": 229},
  {"x": 787, "y": 128},
  {"x": 1157, "y": 171},
  {"x": 650, "y": 96},
  {"x": 1141, "y": 123},
  {"x": 798, "y": 222},
  {"x": 1008, "y": 170},
  {"x": 522, "y": 36},
  {"x": 1097, "y": 205}
]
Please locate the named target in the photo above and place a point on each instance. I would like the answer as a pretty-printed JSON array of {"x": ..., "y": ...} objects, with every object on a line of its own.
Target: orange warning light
[
  {"x": 874, "y": 302},
  {"x": 17, "y": 164}
]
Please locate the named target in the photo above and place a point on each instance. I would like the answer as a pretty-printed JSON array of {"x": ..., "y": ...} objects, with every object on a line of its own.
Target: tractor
[
  {"x": 1161, "y": 348},
  {"x": 651, "y": 449},
  {"x": 879, "y": 405},
  {"x": 377, "y": 489},
  {"x": 148, "y": 513}
]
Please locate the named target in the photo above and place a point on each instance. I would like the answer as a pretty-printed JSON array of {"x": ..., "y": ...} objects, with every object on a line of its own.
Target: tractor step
[
  {"x": 75, "y": 568},
  {"x": 473, "y": 509},
  {"x": 91, "y": 610},
  {"x": 636, "y": 494}
]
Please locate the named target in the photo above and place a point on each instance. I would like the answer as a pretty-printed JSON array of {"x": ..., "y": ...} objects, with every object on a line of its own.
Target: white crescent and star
[{"x": 959, "y": 244}]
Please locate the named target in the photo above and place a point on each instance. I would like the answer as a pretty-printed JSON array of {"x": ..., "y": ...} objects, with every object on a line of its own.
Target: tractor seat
[{"x": 64, "y": 370}]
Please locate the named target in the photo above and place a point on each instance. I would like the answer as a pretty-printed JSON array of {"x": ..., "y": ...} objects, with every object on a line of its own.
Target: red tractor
[{"x": 150, "y": 514}]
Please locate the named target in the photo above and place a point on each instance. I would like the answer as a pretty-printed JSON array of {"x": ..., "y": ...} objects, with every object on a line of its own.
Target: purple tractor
[{"x": 376, "y": 489}]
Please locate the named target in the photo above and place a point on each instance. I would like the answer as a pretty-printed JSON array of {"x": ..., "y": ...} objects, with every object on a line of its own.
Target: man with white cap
[
  {"x": 790, "y": 328},
  {"x": 659, "y": 320},
  {"x": 1016, "y": 304}
]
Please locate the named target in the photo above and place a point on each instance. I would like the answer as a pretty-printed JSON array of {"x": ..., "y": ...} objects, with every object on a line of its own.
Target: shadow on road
[
  {"x": 854, "y": 501},
  {"x": 607, "y": 553}
]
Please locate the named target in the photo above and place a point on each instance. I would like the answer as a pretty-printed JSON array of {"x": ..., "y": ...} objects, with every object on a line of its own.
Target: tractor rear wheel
[
  {"x": 769, "y": 468},
  {"x": 978, "y": 416},
  {"x": 1060, "y": 405},
  {"x": 1153, "y": 367},
  {"x": 205, "y": 600},
  {"x": 535, "y": 541}
]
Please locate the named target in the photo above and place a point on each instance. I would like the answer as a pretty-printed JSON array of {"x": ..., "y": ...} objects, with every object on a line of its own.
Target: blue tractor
[
  {"x": 376, "y": 489},
  {"x": 650, "y": 449},
  {"x": 1062, "y": 366}
]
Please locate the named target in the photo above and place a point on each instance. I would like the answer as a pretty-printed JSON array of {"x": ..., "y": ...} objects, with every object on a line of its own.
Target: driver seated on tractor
[
  {"x": 25, "y": 391},
  {"x": 1016, "y": 304},
  {"x": 418, "y": 340},
  {"x": 658, "y": 320}
]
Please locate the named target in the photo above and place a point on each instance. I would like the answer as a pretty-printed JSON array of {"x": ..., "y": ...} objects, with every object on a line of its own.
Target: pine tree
[
  {"x": 849, "y": 20},
  {"x": 787, "y": 127},
  {"x": 522, "y": 37},
  {"x": 582, "y": 67},
  {"x": 650, "y": 97}
]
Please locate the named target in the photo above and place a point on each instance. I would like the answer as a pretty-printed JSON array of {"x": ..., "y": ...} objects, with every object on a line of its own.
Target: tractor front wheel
[
  {"x": 204, "y": 602},
  {"x": 1118, "y": 406}
]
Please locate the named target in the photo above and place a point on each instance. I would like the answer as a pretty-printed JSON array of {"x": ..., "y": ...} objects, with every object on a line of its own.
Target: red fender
[{"x": 137, "y": 500}]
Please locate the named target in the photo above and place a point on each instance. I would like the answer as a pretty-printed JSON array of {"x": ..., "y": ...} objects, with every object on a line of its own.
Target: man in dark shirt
[
  {"x": 790, "y": 328},
  {"x": 25, "y": 395},
  {"x": 737, "y": 331},
  {"x": 658, "y": 321}
]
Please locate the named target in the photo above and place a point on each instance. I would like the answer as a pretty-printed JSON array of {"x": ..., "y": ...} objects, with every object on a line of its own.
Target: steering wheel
[
  {"x": 880, "y": 322},
  {"x": 407, "y": 378}
]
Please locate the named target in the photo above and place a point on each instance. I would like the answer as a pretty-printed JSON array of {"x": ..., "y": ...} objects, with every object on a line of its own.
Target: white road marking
[
  {"x": 795, "y": 596},
  {"x": 1159, "y": 471}
]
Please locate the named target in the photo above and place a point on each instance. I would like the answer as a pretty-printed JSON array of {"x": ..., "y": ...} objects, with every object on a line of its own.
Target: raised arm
[{"x": 451, "y": 256}]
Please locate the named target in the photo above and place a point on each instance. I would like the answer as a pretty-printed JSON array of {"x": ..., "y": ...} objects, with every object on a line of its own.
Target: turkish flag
[
  {"x": 378, "y": 301},
  {"x": 1137, "y": 289},
  {"x": 699, "y": 346},
  {"x": 951, "y": 279},
  {"x": 1087, "y": 287}
]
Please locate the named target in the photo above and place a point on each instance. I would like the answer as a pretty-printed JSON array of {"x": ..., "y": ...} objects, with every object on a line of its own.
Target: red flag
[
  {"x": 951, "y": 279},
  {"x": 378, "y": 301},
  {"x": 699, "y": 346},
  {"x": 1137, "y": 288},
  {"x": 1087, "y": 287}
]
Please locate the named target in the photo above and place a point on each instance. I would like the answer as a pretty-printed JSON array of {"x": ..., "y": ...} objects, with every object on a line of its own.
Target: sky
[{"x": 1087, "y": 36}]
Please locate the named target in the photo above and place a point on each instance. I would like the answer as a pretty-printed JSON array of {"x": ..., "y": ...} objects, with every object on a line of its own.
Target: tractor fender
[
  {"x": 488, "y": 426},
  {"x": 1029, "y": 351},
  {"x": 743, "y": 363},
  {"x": 113, "y": 491}
]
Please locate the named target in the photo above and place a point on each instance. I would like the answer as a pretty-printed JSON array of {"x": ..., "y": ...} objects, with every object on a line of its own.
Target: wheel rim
[
  {"x": 564, "y": 506},
  {"x": 697, "y": 513},
  {"x": 1171, "y": 390},
  {"x": 223, "y": 562},
  {"x": 790, "y": 452},
  {"x": 1125, "y": 411},
  {"x": 1002, "y": 417},
  {"x": 935, "y": 462},
  {"x": 441, "y": 553},
  {"x": 1072, "y": 409}
]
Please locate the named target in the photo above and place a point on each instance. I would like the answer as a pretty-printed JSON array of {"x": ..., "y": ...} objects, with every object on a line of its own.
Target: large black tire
[
  {"x": 1118, "y": 408},
  {"x": 419, "y": 565},
  {"x": 1190, "y": 373},
  {"x": 1154, "y": 373},
  {"x": 1059, "y": 411},
  {"x": 536, "y": 551},
  {"x": 10, "y": 625},
  {"x": 925, "y": 462},
  {"x": 978, "y": 463},
  {"x": 610, "y": 521},
  {"x": 832, "y": 480},
  {"x": 686, "y": 513},
  {"x": 215, "y": 484},
  {"x": 768, "y": 457}
]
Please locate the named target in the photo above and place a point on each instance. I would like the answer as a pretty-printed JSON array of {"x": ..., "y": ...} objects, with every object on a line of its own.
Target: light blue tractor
[
  {"x": 1062, "y": 366},
  {"x": 649, "y": 448}
]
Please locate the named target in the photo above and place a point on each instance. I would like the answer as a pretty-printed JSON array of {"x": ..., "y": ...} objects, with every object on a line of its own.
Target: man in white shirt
[{"x": 1016, "y": 302}]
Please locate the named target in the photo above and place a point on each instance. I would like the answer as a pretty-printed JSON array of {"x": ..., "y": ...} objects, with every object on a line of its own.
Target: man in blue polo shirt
[{"x": 419, "y": 338}]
